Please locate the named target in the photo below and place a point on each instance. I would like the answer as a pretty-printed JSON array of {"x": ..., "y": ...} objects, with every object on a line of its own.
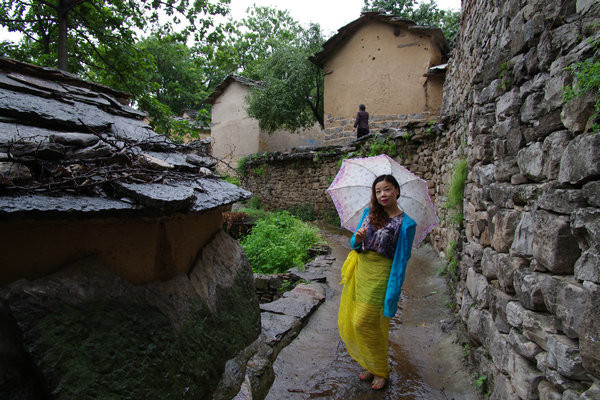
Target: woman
[
  {"x": 373, "y": 275},
  {"x": 362, "y": 122}
]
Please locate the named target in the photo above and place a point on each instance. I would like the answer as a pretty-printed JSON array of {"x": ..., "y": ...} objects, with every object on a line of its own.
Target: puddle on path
[{"x": 425, "y": 362}]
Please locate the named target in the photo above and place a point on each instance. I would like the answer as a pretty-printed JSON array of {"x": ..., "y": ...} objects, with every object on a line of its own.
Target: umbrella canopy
[{"x": 351, "y": 193}]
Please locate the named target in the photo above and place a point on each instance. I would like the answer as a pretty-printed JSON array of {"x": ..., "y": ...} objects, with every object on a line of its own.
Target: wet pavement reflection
[{"x": 425, "y": 360}]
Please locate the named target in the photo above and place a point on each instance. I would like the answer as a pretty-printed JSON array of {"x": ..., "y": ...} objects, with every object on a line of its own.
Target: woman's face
[{"x": 386, "y": 193}]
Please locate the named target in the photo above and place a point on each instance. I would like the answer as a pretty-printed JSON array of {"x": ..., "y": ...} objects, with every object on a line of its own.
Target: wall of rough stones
[
  {"x": 301, "y": 177},
  {"x": 339, "y": 130},
  {"x": 529, "y": 251},
  {"x": 529, "y": 247}
]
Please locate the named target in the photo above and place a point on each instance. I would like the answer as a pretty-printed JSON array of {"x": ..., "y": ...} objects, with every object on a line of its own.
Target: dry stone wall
[
  {"x": 300, "y": 178},
  {"x": 340, "y": 130},
  {"x": 528, "y": 250}
]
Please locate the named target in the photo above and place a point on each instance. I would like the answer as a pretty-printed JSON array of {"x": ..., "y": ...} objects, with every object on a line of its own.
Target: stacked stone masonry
[
  {"x": 529, "y": 246},
  {"x": 529, "y": 251},
  {"x": 339, "y": 130}
]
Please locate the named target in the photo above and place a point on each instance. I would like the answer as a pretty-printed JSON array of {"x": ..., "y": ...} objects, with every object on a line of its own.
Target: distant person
[{"x": 362, "y": 122}]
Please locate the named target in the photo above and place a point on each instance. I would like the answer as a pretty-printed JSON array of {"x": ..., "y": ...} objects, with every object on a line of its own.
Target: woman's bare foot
[
  {"x": 365, "y": 376},
  {"x": 379, "y": 383}
]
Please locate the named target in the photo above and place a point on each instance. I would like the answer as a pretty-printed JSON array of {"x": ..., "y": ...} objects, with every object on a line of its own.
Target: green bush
[
  {"x": 305, "y": 212},
  {"x": 378, "y": 145},
  {"x": 242, "y": 167},
  {"x": 278, "y": 242},
  {"x": 452, "y": 271},
  {"x": 231, "y": 179},
  {"x": 254, "y": 203},
  {"x": 332, "y": 217}
]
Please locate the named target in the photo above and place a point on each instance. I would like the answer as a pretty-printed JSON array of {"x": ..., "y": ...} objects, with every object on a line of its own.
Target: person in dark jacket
[{"x": 362, "y": 122}]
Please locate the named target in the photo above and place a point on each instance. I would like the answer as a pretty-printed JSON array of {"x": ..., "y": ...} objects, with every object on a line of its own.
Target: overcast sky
[{"x": 330, "y": 14}]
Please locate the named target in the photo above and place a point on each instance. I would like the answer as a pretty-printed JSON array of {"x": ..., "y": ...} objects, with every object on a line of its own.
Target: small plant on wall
[
  {"x": 587, "y": 74},
  {"x": 455, "y": 195}
]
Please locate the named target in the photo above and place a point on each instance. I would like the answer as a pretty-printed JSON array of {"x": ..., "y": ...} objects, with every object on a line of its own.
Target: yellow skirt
[{"x": 362, "y": 325}]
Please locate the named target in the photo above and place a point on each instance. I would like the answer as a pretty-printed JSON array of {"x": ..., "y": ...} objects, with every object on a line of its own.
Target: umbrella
[{"x": 351, "y": 192}]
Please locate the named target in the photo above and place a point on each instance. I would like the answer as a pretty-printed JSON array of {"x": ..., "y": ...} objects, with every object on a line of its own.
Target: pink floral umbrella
[{"x": 351, "y": 193}]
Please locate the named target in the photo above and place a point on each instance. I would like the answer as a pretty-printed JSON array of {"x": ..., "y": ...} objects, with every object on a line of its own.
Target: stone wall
[
  {"x": 301, "y": 177},
  {"x": 341, "y": 130},
  {"x": 529, "y": 251}
]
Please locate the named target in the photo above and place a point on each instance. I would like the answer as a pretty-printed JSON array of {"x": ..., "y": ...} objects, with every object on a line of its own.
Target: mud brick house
[
  {"x": 114, "y": 269},
  {"x": 235, "y": 134},
  {"x": 391, "y": 65}
]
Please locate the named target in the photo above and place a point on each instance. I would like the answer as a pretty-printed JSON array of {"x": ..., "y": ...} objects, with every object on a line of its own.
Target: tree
[
  {"x": 244, "y": 45},
  {"x": 67, "y": 33},
  {"x": 291, "y": 97},
  {"x": 426, "y": 13},
  {"x": 102, "y": 43}
]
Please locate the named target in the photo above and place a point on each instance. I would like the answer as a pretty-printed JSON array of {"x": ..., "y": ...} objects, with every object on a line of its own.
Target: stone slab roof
[
  {"x": 70, "y": 148},
  {"x": 226, "y": 82},
  {"x": 345, "y": 32}
]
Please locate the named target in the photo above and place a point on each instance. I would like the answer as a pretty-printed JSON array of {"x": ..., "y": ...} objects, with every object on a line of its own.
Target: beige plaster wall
[
  {"x": 137, "y": 249},
  {"x": 382, "y": 70},
  {"x": 285, "y": 140},
  {"x": 235, "y": 134}
]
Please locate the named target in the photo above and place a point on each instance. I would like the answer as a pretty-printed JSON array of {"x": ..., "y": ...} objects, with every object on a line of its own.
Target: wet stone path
[{"x": 426, "y": 361}]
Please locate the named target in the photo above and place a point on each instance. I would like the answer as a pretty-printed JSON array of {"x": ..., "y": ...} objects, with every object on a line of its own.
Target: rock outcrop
[{"x": 84, "y": 332}]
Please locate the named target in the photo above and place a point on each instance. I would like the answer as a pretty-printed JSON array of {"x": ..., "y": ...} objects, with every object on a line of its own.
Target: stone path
[{"x": 426, "y": 361}]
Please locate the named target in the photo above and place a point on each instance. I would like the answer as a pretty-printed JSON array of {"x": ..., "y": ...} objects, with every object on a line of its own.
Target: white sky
[{"x": 330, "y": 14}]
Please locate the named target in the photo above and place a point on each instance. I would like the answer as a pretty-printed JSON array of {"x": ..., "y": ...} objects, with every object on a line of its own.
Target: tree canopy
[
  {"x": 68, "y": 33},
  {"x": 129, "y": 46},
  {"x": 424, "y": 13},
  {"x": 291, "y": 97}
]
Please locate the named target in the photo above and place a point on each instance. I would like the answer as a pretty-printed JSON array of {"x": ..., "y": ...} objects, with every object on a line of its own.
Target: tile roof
[
  {"x": 345, "y": 32},
  {"x": 69, "y": 147},
  {"x": 226, "y": 82}
]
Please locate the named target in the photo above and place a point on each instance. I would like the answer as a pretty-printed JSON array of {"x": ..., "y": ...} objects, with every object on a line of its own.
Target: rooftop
[
  {"x": 345, "y": 32},
  {"x": 69, "y": 148}
]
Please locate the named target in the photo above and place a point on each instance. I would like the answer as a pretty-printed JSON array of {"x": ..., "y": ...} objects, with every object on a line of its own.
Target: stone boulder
[
  {"x": 591, "y": 191},
  {"x": 523, "y": 240},
  {"x": 554, "y": 245},
  {"x": 552, "y": 151},
  {"x": 563, "y": 298},
  {"x": 564, "y": 356},
  {"x": 587, "y": 267},
  {"x": 530, "y": 161},
  {"x": 505, "y": 222},
  {"x": 589, "y": 332},
  {"x": 146, "y": 341},
  {"x": 528, "y": 287},
  {"x": 580, "y": 160}
]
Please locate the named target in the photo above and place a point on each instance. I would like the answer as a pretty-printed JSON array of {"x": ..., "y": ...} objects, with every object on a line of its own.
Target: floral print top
[{"x": 384, "y": 240}]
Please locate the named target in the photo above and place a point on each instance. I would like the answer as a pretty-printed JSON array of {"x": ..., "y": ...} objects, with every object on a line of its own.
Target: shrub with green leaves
[
  {"x": 306, "y": 212},
  {"x": 278, "y": 242}
]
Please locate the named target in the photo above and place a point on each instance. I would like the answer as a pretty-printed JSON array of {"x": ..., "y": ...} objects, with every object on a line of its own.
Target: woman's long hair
[{"x": 378, "y": 216}]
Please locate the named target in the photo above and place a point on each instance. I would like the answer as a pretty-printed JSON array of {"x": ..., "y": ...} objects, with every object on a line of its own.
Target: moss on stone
[{"x": 111, "y": 350}]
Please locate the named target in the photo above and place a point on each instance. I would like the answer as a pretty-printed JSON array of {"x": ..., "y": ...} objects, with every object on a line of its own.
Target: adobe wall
[
  {"x": 235, "y": 134},
  {"x": 383, "y": 67},
  {"x": 139, "y": 250}
]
